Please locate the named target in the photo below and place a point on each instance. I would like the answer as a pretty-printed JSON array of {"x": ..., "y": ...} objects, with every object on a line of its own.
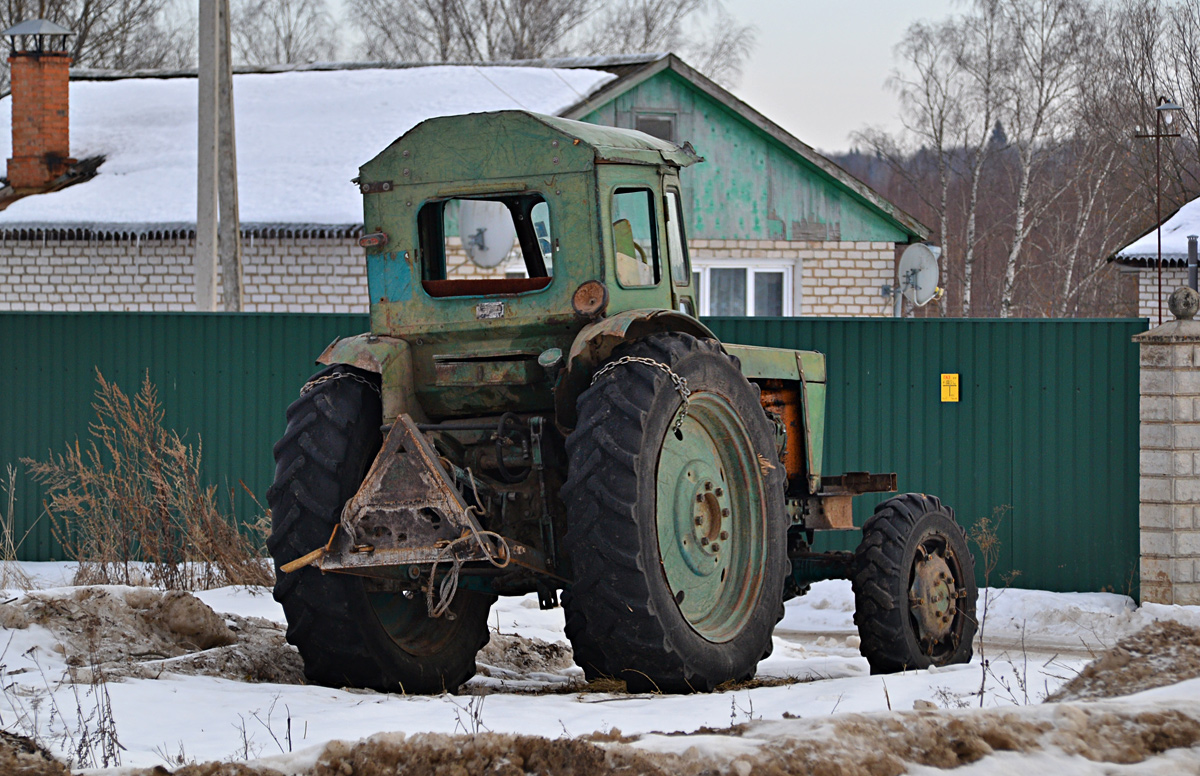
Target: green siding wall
[
  {"x": 1047, "y": 423},
  {"x": 750, "y": 186}
]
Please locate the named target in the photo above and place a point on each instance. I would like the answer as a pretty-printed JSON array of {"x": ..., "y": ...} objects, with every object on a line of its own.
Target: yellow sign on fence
[{"x": 949, "y": 387}]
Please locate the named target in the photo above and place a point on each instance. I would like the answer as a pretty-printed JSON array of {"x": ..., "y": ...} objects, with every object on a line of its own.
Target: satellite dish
[
  {"x": 919, "y": 273},
  {"x": 487, "y": 231}
]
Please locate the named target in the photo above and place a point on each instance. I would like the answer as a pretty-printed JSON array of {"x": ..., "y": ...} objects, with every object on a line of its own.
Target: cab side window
[
  {"x": 676, "y": 240},
  {"x": 635, "y": 241}
]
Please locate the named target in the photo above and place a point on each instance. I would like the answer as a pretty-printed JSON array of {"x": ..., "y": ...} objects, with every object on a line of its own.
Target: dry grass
[
  {"x": 12, "y": 576},
  {"x": 133, "y": 494}
]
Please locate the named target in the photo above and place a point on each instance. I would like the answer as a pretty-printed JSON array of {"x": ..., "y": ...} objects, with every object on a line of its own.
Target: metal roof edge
[
  {"x": 1150, "y": 260},
  {"x": 167, "y": 231},
  {"x": 564, "y": 63}
]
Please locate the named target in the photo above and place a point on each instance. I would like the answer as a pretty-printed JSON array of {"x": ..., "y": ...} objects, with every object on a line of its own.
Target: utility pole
[
  {"x": 229, "y": 238},
  {"x": 218, "y": 225},
  {"x": 206, "y": 161}
]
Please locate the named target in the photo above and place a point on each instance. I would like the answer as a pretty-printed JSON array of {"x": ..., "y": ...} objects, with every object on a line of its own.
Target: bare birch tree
[
  {"x": 269, "y": 32},
  {"x": 502, "y": 30},
  {"x": 468, "y": 30},
  {"x": 984, "y": 67},
  {"x": 119, "y": 34},
  {"x": 930, "y": 87},
  {"x": 640, "y": 26},
  {"x": 1044, "y": 36}
]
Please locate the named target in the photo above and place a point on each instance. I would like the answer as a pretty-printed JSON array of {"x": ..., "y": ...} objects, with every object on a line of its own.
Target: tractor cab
[{"x": 577, "y": 221}]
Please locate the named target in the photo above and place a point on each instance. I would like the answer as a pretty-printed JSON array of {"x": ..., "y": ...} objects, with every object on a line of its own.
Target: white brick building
[
  {"x": 120, "y": 235},
  {"x": 1141, "y": 258}
]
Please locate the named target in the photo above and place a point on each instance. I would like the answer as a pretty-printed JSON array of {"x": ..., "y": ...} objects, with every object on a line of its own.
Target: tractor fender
[
  {"x": 388, "y": 357},
  {"x": 595, "y": 343}
]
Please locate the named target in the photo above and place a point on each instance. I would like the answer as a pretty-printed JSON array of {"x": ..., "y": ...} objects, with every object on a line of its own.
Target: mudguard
[
  {"x": 389, "y": 357},
  {"x": 595, "y": 343}
]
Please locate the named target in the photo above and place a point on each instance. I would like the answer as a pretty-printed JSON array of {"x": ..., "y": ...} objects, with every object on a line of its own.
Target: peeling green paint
[{"x": 751, "y": 186}]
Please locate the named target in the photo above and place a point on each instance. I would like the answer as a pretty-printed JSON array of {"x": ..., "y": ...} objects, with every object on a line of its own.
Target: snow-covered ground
[{"x": 1035, "y": 641}]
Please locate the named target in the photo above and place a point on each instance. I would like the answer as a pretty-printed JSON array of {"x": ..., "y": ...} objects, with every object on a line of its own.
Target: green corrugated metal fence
[
  {"x": 224, "y": 379},
  {"x": 1047, "y": 422}
]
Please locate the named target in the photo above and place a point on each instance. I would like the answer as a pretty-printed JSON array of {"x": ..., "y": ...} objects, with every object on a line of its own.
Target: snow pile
[
  {"x": 1162, "y": 654},
  {"x": 301, "y": 137},
  {"x": 514, "y": 663},
  {"x": 851, "y": 745},
  {"x": 813, "y": 708},
  {"x": 117, "y": 631}
]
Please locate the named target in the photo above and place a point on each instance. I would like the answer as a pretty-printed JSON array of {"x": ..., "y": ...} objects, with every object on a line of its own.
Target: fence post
[{"x": 1169, "y": 515}]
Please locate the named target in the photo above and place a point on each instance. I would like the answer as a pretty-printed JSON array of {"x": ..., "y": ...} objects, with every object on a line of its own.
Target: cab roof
[{"x": 448, "y": 141}]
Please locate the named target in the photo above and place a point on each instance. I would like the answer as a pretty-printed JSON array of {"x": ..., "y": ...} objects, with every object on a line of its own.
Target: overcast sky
[{"x": 819, "y": 67}]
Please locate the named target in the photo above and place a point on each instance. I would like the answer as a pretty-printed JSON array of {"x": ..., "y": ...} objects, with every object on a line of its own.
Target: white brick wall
[
  {"x": 1173, "y": 278},
  {"x": 286, "y": 274},
  {"x": 829, "y": 278},
  {"x": 1169, "y": 485}
]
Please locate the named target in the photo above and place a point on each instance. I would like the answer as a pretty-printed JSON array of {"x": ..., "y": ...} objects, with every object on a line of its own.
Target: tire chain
[
  {"x": 680, "y": 383},
  {"x": 338, "y": 376}
]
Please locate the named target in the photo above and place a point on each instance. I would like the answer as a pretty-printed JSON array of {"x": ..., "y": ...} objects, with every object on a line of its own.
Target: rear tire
[
  {"x": 347, "y": 635},
  {"x": 914, "y": 586},
  {"x": 677, "y": 545}
]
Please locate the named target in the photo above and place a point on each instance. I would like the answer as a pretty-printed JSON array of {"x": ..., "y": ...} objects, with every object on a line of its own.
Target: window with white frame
[{"x": 737, "y": 287}]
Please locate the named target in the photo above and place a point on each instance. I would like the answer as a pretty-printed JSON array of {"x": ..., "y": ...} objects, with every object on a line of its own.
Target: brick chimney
[{"x": 40, "y": 126}]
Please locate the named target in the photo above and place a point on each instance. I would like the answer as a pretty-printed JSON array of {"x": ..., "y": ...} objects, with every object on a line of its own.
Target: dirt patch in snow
[
  {"x": 1160, "y": 654},
  {"x": 522, "y": 655},
  {"x": 143, "y": 632},
  {"x": 852, "y": 745},
  {"x": 20, "y": 756}
]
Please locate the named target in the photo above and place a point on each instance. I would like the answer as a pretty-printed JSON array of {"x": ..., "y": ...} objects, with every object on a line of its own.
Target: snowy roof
[
  {"x": 1175, "y": 231},
  {"x": 301, "y": 137}
]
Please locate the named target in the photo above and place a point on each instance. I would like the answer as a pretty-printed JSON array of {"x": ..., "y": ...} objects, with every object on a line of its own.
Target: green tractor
[{"x": 575, "y": 428}]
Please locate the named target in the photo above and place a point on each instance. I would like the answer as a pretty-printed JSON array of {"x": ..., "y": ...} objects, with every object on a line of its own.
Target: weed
[
  {"x": 12, "y": 576},
  {"x": 134, "y": 493},
  {"x": 89, "y": 742},
  {"x": 270, "y": 730},
  {"x": 986, "y": 535},
  {"x": 469, "y": 716},
  {"x": 734, "y": 709},
  {"x": 248, "y": 749},
  {"x": 176, "y": 759}
]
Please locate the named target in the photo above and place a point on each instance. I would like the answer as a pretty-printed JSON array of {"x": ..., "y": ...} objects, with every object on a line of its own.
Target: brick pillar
[
  {"x": 40, "y": 130},
  {"x": 1169, "y": 516}
]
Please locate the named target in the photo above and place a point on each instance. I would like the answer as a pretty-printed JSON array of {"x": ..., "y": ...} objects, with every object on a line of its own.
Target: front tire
[
  {"x": 677, "y": 541},
  {"x": 914, "y": 586},
  {"x": 350, "y": 636}
]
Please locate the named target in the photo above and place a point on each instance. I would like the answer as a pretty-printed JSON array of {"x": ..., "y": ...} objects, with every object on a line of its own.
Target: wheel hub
[
  {"x": 933, "y": 596},
  {"x": 709, "y": 513}
]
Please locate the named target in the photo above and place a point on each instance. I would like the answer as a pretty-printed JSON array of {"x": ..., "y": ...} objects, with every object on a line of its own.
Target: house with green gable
[{"x": 774, "y": 227}]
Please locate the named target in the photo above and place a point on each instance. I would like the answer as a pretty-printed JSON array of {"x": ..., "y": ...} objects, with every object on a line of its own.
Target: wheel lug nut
[
  {"x": 724, "y": 535},
  {"x": 724, "y": 513},
  {"x": 699, "y": 520},
  {"x": 708, "y": 486},
  {"x": 703, "y": 541},
  {"x": 699, "y": 498},
  {"x": 715, "y": 547},
  {"x": 719, "y": 491}
]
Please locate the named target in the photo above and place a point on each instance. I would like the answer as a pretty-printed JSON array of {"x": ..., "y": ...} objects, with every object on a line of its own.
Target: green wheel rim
[
  {"x": 407, "y": 622},
  {"x": 711, "y": 518}
]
